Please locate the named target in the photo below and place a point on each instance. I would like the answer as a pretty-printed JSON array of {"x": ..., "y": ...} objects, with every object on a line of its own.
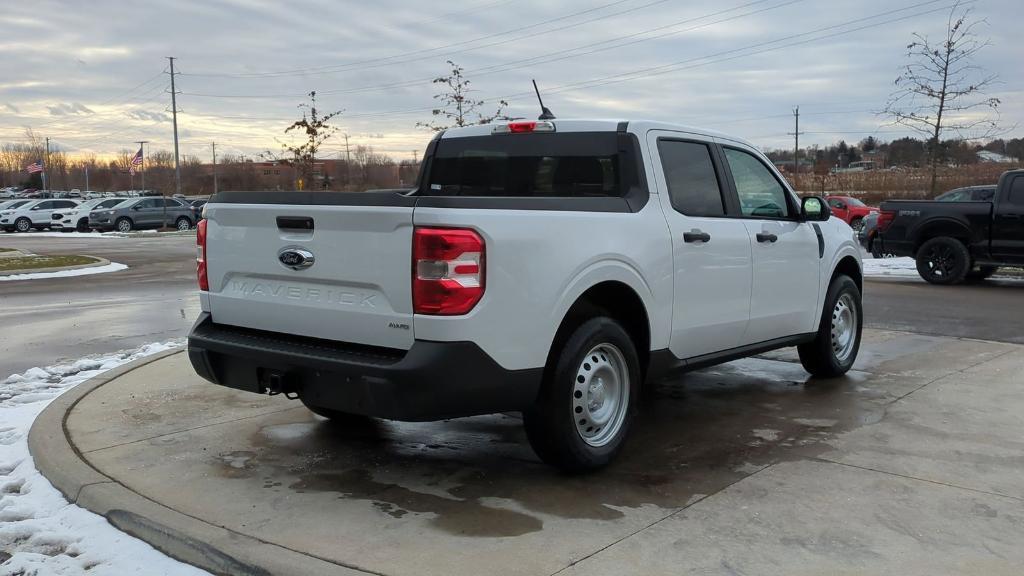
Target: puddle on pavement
[{"x": 477, "y": 477}]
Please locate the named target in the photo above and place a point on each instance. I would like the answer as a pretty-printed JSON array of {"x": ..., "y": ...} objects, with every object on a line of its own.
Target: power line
[
  {"x": 420, "y": 54},
  {"x": 737, "y": 52},
  {"x": 542, "y": 58}
]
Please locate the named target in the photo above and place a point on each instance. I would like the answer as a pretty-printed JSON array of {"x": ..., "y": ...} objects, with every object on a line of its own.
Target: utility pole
[
  {"x": 214, "y": 145},
  {"x": 46, "y": 167},
  {"x": 348, "y": 164},
  {"x": 796, "y": 148},
  {"x": 174, "y": 119},
  {"x": 86, "y": 177}
]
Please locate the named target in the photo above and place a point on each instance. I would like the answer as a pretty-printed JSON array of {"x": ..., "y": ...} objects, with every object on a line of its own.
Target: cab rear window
[{"x": 556, "y": 165}]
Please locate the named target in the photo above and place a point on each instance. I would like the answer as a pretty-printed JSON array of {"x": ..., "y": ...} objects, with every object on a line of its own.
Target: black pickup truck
[{"x": 957, "y": 241}]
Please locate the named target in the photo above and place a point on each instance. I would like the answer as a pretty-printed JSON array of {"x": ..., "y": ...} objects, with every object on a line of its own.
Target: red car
[{"x": 850, "y": 210}]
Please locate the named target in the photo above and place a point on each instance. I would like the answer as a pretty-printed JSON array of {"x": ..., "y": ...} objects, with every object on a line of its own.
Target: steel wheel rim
[
  {"x": 600, "y": 395},
  {"x": 844, "y": 327},
  {"x": 123, "y": 226}
]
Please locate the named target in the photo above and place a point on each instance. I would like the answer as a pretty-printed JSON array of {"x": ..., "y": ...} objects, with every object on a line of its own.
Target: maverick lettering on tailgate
[{"x": 329, "y": 295}]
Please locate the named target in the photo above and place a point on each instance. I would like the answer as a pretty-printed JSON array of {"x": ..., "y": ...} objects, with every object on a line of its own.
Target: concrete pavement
[{"x": 911, "y": 464}]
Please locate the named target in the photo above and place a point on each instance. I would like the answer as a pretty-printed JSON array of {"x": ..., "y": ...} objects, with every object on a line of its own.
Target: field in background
[{"x": 899, "y": 183}]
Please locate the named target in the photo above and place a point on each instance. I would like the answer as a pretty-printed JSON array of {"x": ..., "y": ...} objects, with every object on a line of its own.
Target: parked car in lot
[
  {"x": 849, "y": 210},
  {"x": 957, "y": 241},
  {"x": 11, "y": 204},
  {"x": 141, "y": 213},
  {"x": 543, "y": 267},
  {"x": 968, "y": 194},
  {"x": 33, "y": 214},
  {"x": 77, "y": 218},
  {"x": 197, "y": 209},
  {"x": 868, "y": 233}
]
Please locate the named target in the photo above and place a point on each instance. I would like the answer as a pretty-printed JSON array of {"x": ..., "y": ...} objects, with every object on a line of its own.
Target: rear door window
[
  {"x": 690, "y": 176},
  {"x": 567, "y": 165}
]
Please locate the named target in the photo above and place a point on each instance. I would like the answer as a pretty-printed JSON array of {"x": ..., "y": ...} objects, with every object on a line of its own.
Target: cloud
[
  {"x": 149, "y": 116},
  {"x": 64, "y": 109},
  {"x": 12, "y": 108}
]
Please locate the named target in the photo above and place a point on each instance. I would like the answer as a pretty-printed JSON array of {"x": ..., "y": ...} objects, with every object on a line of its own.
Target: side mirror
[{"x": 814, "y": 209}]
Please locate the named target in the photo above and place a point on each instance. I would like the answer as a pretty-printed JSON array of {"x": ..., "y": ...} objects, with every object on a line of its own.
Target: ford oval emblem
[{"x": 296, "y": 258}]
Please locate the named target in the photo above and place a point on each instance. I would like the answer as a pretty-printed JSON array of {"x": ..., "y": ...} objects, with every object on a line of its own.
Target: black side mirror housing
[{"x": 814, "y": 209}]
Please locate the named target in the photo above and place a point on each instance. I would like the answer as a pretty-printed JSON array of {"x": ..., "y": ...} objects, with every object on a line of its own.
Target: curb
[
  {"x": 213, "y": 548},
  {"x": 99, "y": 262}
]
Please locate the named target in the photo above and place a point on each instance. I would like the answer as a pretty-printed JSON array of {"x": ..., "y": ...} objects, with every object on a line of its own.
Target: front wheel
[
  {"x": 587, "y": 399},
  {"x": 123, "y": 224},
  {"x": 83, "y": 225},
  {"x": 857, "y": 224},
  {"x": 943, "y": 260},
  {"x": 183, "y": 224},
  {"x": 22, "y": 224},
  {"x": 834, "y": 348}
]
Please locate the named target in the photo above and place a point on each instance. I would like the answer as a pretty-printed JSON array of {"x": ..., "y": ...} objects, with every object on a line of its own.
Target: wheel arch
[
  {"x": 617, "y": 299},
  {"x": 941, "y": 227},
  {"x": 849, "y": 266}
]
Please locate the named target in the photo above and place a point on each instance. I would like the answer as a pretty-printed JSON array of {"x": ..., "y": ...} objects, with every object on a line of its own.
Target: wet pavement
[
  {"x": 910, "y": 464},
  {"x": 43, "y": 322}
]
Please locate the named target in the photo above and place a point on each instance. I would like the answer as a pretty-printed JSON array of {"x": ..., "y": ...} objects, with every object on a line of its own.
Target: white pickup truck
[{"x": 547, "y": 267}]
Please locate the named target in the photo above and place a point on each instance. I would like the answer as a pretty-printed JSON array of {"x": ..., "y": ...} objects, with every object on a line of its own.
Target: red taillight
[
  {"x": 448, "y": 270},
  {"x": 204, "y": 281},
  {"x": 885, "y": 218}
]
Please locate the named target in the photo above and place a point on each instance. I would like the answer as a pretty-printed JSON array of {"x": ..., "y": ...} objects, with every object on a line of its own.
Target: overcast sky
[{"x": 90, "y": 75}]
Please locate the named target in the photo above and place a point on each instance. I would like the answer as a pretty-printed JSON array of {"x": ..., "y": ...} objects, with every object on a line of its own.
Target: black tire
[
  {"x": 819, "y": 357},
  {"x": 980, "y": 273},
  {"x": 857, "y": 224},
  {"x": 22, "y": 224},
  {"x": 124, "y": 222},
  {"x": 551, "y": 423},
  {"x": 876, "y": 252},
  {"x": 183, "y": 223},
  {"x": 943, "y": 260},
  {"x": 83, "y": 225}
]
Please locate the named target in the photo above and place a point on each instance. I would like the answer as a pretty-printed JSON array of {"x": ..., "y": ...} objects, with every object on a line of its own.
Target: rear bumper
[{"x": 430, "y": 381}]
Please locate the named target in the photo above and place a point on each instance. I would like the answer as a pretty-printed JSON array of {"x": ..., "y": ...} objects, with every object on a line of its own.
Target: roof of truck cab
[{"x": 595, "y": 125}]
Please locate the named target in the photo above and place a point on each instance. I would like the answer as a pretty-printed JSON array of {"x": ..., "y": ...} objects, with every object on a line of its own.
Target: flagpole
[
  {"x": 142, "y": 161},
  {"x": 46, "y": 181}
]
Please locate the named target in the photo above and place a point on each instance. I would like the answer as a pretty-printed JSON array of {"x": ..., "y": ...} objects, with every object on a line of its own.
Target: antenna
[{"x": 545, "y": 114}]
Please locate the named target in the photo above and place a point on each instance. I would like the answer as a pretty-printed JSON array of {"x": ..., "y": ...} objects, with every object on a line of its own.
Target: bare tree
[
  {"x": 941, "y": 90},
  {"x": 317, "y": 130},
  {"x": 456, "y": 106}
]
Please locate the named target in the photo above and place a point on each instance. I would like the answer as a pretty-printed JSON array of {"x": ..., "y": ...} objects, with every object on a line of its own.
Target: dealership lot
[{"x": 910, "y": 463}]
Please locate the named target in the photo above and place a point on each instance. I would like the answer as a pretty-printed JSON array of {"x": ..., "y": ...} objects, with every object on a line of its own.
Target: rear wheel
[
  {"x": 943, "y": 260},
  {"x": 834, "y": 349},
  {"x": 587, "y": 400}
]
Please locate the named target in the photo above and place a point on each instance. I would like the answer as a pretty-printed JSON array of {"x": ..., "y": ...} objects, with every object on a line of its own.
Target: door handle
[
  {"x": 696, "y": 236},
  {"x": 766, "y": 237}
]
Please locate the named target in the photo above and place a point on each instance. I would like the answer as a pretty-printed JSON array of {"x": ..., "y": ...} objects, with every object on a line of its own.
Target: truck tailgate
[{"x": 358, "y": 288}]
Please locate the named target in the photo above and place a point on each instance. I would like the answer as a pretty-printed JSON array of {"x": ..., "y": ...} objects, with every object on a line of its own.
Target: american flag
[
  {"x": 35, "y": 167},
  {"x": 136, "y": 161}
]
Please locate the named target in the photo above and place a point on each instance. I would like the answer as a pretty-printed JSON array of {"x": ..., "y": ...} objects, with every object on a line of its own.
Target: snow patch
[
  {"x": 39, "y": 529},
  {"x": 901, "y": 267},
  {"x": 112, "y": 267}
]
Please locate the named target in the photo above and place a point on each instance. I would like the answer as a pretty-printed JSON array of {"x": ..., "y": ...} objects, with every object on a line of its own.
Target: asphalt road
[{"x": 45, "y": 321}]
